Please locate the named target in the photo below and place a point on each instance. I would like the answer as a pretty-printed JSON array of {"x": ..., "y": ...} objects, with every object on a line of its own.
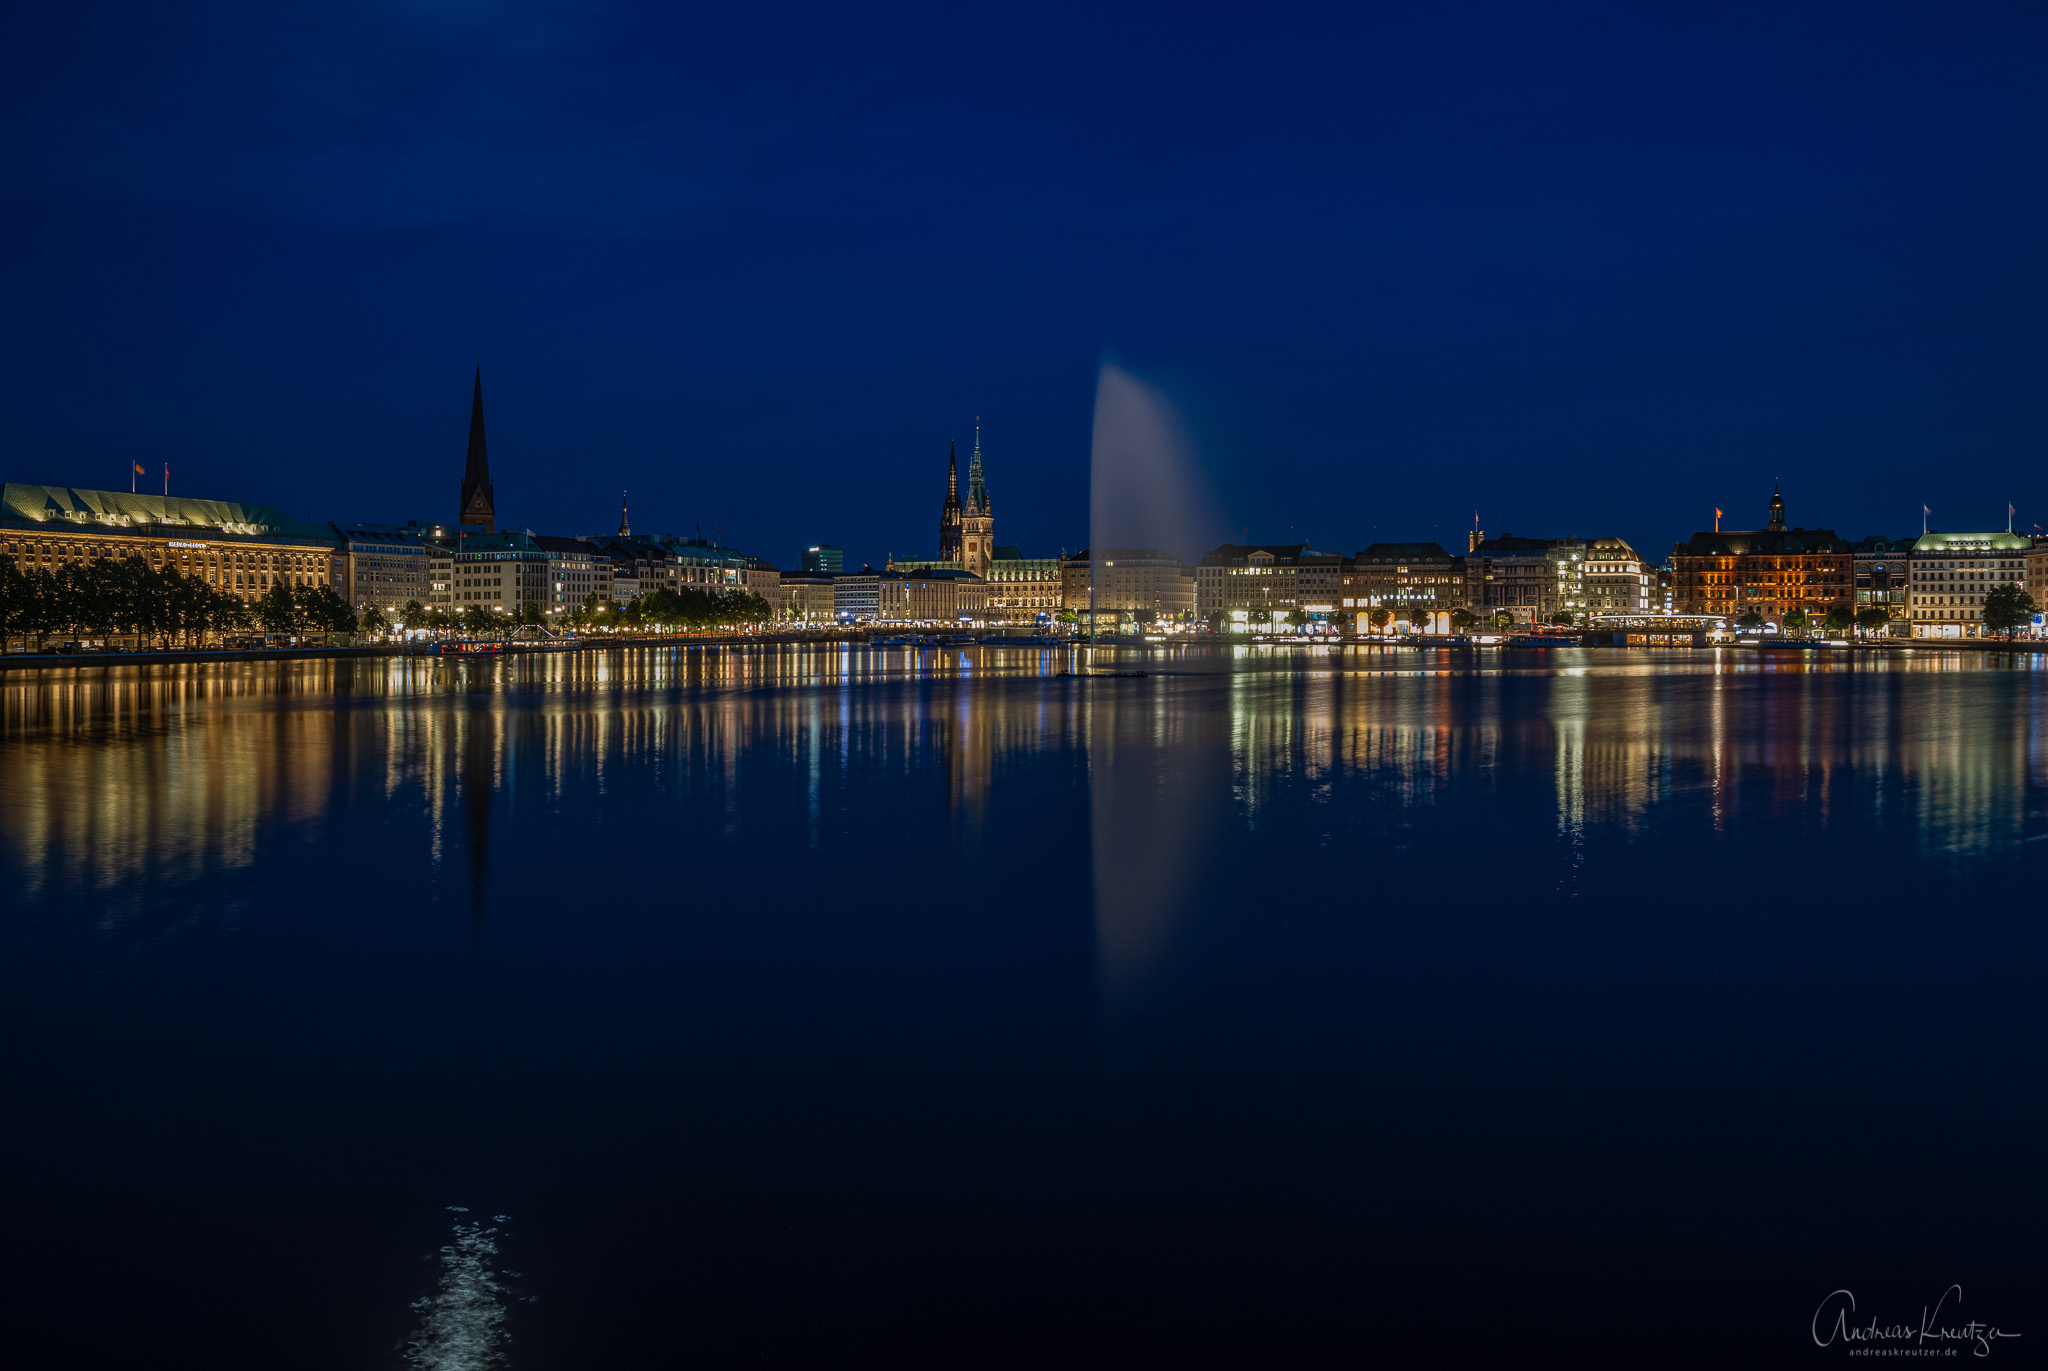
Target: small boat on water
[
  {"x": 470, "y": 647},
  {"x": 1542, "y": 640}
]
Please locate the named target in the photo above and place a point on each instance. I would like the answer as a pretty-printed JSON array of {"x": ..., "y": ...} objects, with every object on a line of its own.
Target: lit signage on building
[{"x": 175, "y": 543}]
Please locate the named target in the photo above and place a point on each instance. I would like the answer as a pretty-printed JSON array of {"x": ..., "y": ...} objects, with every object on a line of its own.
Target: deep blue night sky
[{"x": 1589, "y": 269}]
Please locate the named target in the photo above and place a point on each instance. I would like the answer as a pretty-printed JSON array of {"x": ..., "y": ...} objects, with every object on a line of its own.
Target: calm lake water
[{"x": 833, "y": 1007}]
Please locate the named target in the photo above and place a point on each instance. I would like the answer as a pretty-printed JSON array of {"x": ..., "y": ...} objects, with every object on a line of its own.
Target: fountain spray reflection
[
  {"x": 1159, "y": 788},
  {"x": 462, "y": 1324}
]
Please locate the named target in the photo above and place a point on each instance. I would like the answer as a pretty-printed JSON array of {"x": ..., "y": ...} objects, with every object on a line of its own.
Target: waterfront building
[
  {"x": 479, "y": 498},
  {"x": 624, "y": 578},
  {"x": 1319, "y": 583},
  {"x": 386, "y": 566},
  {"x": 1883, "y": 578},
  {"x": 1074, "y": 582},
  {"x": 705, "y": 565},
  {"x": 648, "y": 562},
  {"x": 2037, "y": 572},
  {"x": 440, "y": 576},
  {"x": 1617, "y": 579},
  {"x": 243, "y": 549},
  {"x": 440, "y": 541},
  {"x": 1532, "y": 579},
  {"x": 977, "y": 516},
  {"x": 1024, "y": 590},
  {"x": 577, "y": 570},
  {"x": 1951, "y": 573},
  {"x": 1252, "y": 588},
  {"x": 1772, "y": 571},
  {"x": 761, "y": 577},
  {"x": 824, "y": 559},
  {"x": 1125, "y": 582},
  {"x": 933, "y": 597},
  {"x": 857, "y": 596},
  {"x": 1408, "y": 580},
  {"x": 810, "y": 598},
  {"x": 503, "y": 572}
]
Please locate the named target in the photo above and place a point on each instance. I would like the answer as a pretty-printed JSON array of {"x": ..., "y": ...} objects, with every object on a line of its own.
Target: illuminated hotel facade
[
  {"x": 240, "y": 549},
  {"x": 1770, "y": 571},
  {"x": 1952, "y": 572}
]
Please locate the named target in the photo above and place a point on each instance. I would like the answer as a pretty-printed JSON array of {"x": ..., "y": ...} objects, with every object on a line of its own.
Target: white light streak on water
[{"x": 462, "y": 1324}]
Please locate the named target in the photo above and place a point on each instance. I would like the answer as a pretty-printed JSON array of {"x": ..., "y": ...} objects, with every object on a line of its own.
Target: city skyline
[
  {"x": 478, "y": 483},
  {"x": 1298, "y": 231}
]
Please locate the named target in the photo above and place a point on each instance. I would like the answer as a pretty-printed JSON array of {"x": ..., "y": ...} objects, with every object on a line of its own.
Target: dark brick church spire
[
  {"x": 949, "y": 513},
  {"x": 479, "y": 505}
]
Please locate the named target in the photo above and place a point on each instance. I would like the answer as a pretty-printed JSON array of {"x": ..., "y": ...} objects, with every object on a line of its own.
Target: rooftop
[{"x": 120, "y": 508}]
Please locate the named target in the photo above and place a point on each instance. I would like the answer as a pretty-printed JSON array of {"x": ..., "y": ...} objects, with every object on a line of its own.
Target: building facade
[
  {"x": 648, "y": 562},
  {"x": 1408, "y": 580},
  {"x": 1768, "y": 572},
  {"x": 577, "y": 570},
  {"x": 809, "y": 598},
  {"x": 763, "y": 578},
  {"x": 2037, "y": 572},
  {"x": 1319, "y": 584},
  {"x": 936, "y": 598},
  {"x": 823, "y": 559},
  {"x": 1023, "y": 590},
  {"x": 387, "y": 567},
  {"x": 1128, "y": 582},
  {"x": 1243, "y": 588},
  {"x": 857, "y": 596},
  {"x": 241, "y": 549},
  {"x": 1883, "y": 569},
  {"x": 440, "y": 576},
  {"x": 1617, "y": 580},
  {"x": 503, "y": 573},
  {"x": 1951, "y": 574},
  {"x": 1529, "y": 579}
]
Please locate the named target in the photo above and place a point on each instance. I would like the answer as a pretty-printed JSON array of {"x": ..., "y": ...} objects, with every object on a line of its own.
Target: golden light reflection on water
[{"x": 119, "y": 776}]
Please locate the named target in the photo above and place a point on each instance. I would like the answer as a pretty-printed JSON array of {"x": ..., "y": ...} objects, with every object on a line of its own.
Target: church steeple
[
  {"x": 949, "y": 513},
  {"x": 625, "y": 528},
  {"x": 479, "y": 504},
  {"x": 1777, "y": 523},
  {"x": 977, "y": 482},
  {"x": 977, "y": 520}
]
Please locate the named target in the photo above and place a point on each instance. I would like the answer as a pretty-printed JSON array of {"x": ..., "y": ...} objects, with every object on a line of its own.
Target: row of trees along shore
[
  {"x": 666, "y": 610},
  {"x": 657, "y": 611},
  {"x": 126, "y": 596}
]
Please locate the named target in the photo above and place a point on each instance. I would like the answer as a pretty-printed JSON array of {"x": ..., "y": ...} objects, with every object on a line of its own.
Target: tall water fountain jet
[
  {"x": 1155, "y": 776},
  {"x": 1146, "y": 489}
]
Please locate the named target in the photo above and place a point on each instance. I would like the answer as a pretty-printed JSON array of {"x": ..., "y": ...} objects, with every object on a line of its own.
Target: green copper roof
[
  {"x": 120, "y": 509},
  {"x": 1973, "y": 542}
]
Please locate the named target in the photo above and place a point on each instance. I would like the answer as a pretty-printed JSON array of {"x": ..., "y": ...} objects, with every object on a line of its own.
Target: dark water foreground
[{"x": 834, "y": 1008}]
